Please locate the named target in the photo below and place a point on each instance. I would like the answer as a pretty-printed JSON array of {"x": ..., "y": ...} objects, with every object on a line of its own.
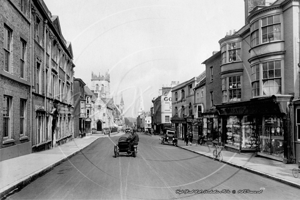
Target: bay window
[
  {"x": 231, "y": 89},
  {"x": 254, "y": 34},
  {"x": 270, "y": 82},
  {"x": 255, "y": 80},
  {"x": 271, "y": 28},
  {"x": 234, "y": 51},
  {"x": 271, "y": 77},
  {"x": 234, "y": 88},
  {"x": 224, "y": 90},
  {"x": 231, "y": 52},
  {"x": 224, "y": 57}
]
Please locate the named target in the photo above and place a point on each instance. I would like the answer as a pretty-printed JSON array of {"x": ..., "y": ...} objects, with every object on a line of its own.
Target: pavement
[
  {"x": 273, "y": 169},
  {"x": 17, "y": 172}
]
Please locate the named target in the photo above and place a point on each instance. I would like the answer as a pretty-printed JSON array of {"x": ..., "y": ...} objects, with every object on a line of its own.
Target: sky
[{"x": 144, "y": 44}]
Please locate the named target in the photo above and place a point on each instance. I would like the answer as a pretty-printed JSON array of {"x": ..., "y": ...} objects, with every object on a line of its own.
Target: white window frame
[
  {"x": 167, "y": 118},
  {"x": 274, "y": 78},
  {"x": 273, "y": 24},
  {"x": 254, "y": 41},
  {"x": 23, "y": 104},
  {"x": 38, "y": 77},
  {"x": 23, "y": 58},
  {"x": 9, "y": 117},
  {"x": 7, "y": 47},
  {"x": 235, "y": 89},
  {"x": 298, "y": 124},
  {"x": 236, "y": 48},
  {"x": 255, "y": 80}
]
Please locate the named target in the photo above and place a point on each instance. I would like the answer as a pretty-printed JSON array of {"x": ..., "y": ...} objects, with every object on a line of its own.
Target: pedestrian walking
[
  {"x": 186, "y": 138},
  {"x": 190, "y": 137}
]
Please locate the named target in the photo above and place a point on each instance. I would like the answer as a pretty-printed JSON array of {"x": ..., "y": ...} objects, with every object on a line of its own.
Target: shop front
[
  {"x": 180, "y": 126},
  {"x": 211, "y": 126},
  {"x": 87, "y": 125},
  {"x": 197, "y": 128},
  {"x": 256, "y": 126}
]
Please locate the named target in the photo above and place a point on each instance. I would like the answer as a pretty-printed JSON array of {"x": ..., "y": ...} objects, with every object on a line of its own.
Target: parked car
[{"x": 169, "y": 137}]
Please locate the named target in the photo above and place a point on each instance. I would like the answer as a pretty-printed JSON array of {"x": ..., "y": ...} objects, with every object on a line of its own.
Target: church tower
[
  {"x": 122, "y": 104},
  {"x": 101, "y": 85},
  {"x": 122, "y": 109}
]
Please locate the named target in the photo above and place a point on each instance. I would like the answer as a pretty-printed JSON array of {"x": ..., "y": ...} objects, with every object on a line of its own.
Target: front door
[{"x": 99, "y": 126}]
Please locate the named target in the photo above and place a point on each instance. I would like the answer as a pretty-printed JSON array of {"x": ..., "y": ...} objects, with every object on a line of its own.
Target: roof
[
  {"x": 213, "y": 56},
  {"x": 87, "y": 91},
  {"x": 79, "y": 80},
  {"x": 181, "y": 85}
]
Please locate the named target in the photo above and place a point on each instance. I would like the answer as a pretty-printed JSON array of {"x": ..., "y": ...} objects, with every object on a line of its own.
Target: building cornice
[
  {"x": 263, "y": 10},
  {"x": 184, "y": 84},
  {"x": 232, "y": 71},
  {"x": 266, "y": 55},
  {"x": 229, "y": 37}
]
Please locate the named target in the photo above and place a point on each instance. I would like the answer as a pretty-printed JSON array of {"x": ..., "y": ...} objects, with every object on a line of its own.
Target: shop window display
[
  {"x": 249, "y": 133},
  {"x": 233, "y": 131},
  {"x": 211, "y": 129},
  {"x": 271, "y": 139},
  {"x": 241, "y": 133}
]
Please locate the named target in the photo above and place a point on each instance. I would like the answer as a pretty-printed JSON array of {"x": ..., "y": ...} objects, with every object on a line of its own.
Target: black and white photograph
[{"x": 149, "y": 99}]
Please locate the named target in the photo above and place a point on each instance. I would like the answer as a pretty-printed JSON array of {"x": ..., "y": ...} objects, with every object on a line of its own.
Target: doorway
[{"x": 99, "y": 125}]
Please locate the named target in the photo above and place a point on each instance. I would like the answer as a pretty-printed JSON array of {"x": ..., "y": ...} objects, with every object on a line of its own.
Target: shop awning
[
  {"x": 177, "y": 120},
  {"x": 261, "y": 106}
]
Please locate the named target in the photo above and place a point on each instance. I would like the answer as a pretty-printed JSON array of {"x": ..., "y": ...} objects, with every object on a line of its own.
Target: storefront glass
[
  {"x": 211, "y": 129},
  {"x": 249, "y": 132},
  {"x": 242, "y": 132},
  {"x": 271, "y": 139},
  {"x": 205, "y": 127},
  {"x": 233, "y": 131}
]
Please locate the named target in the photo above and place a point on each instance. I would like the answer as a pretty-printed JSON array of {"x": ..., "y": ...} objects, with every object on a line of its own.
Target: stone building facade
[{"x": 52, "y": 80}]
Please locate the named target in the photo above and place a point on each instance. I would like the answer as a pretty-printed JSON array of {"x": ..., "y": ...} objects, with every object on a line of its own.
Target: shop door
[{"x": 271, "y": 140}]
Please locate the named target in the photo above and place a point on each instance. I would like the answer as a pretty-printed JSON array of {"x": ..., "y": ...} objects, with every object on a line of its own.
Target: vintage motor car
[
  {"x": 169, "y": 137},
  {"x": 123, "y": 147}
]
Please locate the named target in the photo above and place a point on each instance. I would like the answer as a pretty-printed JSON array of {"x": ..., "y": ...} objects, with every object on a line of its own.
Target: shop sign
[
  {"x": 167, "y": 98},
  {"x": 189, "y": 120}
]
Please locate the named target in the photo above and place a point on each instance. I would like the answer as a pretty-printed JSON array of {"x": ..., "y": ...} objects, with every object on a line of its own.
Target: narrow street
[{"x": 158, "y": 172}]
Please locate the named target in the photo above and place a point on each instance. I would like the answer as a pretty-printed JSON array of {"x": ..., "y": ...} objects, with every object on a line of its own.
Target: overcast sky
[{"x": 144, "y": 44}]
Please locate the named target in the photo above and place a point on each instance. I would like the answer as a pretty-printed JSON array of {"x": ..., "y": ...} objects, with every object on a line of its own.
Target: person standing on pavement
[
  {"x": 186, "y": 139},
  {"x": 191, "y": 137}
]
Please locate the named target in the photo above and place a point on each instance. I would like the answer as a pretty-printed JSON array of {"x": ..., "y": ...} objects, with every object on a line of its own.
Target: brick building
[{"x": 15, "y": 93}]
